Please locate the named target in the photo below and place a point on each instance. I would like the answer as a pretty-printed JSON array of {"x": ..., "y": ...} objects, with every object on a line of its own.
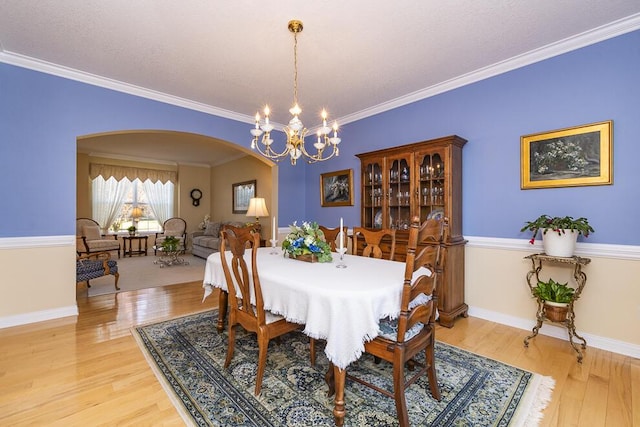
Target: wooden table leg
[
  {"x": 338, "y": 409},
  {"x": 330, "y": 380},
  {"x": 222, "y": 309}
]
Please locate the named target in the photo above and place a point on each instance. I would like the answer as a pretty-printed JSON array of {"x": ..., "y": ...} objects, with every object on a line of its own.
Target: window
[{"x": 115, "y": 202}]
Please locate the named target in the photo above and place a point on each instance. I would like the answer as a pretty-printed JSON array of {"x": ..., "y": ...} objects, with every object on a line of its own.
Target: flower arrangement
[
  {"x": 204, "y": 222},
  {"x": 557, "y": 224},
  {"x": 564, "y": 155},
  {"x": 307, "y": 239}
]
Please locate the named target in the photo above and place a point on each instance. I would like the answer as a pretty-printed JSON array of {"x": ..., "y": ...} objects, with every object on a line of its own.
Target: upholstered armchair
[
  {"x": 92, "y": 266},
  {"x": 176, "y": 227},
  {"x": 89, "y": 238}
]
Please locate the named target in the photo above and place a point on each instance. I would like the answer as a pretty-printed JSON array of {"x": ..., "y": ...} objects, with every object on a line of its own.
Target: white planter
[{"x": 563, "y": 245}]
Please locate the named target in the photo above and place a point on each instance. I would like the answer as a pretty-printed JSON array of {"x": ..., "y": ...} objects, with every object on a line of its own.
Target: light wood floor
[{"x": 90, "y": 372}]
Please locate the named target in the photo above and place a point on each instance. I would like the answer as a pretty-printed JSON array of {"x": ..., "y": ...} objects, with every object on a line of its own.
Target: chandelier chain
[{"x": 295, "y": 68}]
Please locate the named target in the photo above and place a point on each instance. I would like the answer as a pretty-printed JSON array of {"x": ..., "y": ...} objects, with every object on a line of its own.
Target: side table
[
  {"x": 129, "y": 250},
  {"x": 580, "y": 278}
]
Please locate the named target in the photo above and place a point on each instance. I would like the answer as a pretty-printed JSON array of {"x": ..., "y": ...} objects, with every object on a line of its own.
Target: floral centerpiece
[{"x": 307, "y": 239}]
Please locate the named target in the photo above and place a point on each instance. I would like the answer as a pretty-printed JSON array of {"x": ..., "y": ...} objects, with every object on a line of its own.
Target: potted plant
[
  {"x": 132, "y": 230},
  {"x": 559, "y": 234},
  {"x": 555, "y": 298},
  {"x": 170, "y": 244}
]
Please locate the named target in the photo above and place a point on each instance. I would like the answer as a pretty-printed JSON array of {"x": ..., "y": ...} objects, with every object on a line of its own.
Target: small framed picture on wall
[
  {"x": 336, "y": 188},
  {"x": 242, "y": 192}
]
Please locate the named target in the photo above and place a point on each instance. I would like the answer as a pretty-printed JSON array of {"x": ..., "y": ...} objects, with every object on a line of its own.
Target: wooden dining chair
[
  {"x": 372, "y": 240},
  {"x": 251, "y": 316},
  {"x": 400, "y": 340},
  {"x": 331, "y": 236}
]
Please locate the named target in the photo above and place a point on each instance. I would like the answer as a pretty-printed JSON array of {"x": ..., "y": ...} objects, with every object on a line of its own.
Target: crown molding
[
  {"x": 95, "y": 80},
  {"x": 605, "y": 32}
]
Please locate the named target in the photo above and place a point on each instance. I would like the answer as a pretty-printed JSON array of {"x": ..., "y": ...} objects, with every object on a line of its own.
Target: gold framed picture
[
  {"x": 336, "y": 188},
  {"x": 576, "y": 156}
]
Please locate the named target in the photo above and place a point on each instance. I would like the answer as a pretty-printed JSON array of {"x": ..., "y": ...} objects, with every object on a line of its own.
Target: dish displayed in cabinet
[{"x": 436, "y": 214}]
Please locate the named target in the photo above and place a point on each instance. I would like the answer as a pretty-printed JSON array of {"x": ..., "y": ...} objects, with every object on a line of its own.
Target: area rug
[
  {"x": 140, "y": 272},
  {"x": 187, "y": 355}
]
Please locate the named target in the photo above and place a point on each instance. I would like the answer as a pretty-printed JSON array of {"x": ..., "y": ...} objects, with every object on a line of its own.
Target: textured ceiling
[{"x": 355, "y": 57}]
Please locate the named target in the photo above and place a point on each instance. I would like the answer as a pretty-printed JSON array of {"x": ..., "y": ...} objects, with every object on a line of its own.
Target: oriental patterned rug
[{"x": 187, "y": 355}]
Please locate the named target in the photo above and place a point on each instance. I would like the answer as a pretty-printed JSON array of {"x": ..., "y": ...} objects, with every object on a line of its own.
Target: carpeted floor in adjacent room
[{"x": 140, "y": 272}]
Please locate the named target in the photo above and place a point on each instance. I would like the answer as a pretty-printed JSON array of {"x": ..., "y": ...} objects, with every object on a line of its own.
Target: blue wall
[
  {"x": 592, "y": 84},
  {"x": 41, "y": 116}
]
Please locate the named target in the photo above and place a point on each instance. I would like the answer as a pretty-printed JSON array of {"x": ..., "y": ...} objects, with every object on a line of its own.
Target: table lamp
[
  {"x": 135, "y": 214},
  {"x": 257, "y": 208}
]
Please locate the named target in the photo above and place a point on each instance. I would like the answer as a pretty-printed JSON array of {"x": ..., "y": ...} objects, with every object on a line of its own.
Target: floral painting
[
  {"x": 567, "y": 157},
  {"x": 336, "y": 188}
]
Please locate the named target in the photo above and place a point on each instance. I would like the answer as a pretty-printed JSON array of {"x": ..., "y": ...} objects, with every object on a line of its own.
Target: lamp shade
[
  {"x": 257, "y": 208},
  {"x": 136, "y": 213}
]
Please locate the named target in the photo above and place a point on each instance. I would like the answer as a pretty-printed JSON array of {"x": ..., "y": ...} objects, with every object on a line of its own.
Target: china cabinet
[{"x": 422, "y": 179}]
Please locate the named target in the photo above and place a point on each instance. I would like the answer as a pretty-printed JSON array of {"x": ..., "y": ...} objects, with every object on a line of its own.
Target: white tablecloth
[{"x": 341, "y": 305}]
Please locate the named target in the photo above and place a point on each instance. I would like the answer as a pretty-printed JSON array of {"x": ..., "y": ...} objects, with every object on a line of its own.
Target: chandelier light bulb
[{"x": 295, "y": 110}]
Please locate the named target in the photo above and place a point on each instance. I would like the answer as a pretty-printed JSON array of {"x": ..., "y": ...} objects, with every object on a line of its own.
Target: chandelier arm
[
  {"x": 269, "y": 152},
  {"x": 315, "y": 158}
]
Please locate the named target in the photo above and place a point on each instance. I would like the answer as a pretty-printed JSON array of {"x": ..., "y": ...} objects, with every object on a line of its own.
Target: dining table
[{"x": 342, "y": 306}]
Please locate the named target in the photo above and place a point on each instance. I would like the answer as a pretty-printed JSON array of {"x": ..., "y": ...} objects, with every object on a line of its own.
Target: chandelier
[{"x": 295, "y": 130}]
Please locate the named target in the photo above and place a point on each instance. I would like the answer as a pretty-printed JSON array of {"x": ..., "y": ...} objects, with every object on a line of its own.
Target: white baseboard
[
  {"x": 527, "y": 324},
  {"x": 38, "y": 316}
]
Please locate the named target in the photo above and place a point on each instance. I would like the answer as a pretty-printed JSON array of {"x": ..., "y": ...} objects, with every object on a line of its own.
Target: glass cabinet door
[
  {"x": 431, "y": 185},
  {"x": 399, "y": 193},
  {"x": 373, "y": 194}
]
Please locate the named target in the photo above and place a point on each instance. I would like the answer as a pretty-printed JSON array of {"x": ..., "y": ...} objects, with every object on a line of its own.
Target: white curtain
[
  {"x": 160, "y": 198},
  {"x": 108, "y": 198}
]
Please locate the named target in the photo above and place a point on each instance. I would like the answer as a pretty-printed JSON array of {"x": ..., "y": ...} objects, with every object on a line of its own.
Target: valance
[{"x": 119, "y": 172}]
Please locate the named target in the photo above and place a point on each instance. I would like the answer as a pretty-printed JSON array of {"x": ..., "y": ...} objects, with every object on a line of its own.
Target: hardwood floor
[{"x": 90, "y": 372}]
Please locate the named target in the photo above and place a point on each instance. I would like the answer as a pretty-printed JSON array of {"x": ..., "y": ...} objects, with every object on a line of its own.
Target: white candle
[
  {"x": 341, "y": 236},
  {"x": 273, "y": 230}
]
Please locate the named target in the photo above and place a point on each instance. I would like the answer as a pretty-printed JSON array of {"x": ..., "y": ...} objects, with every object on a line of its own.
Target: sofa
[{"x": 207, "y": 241}]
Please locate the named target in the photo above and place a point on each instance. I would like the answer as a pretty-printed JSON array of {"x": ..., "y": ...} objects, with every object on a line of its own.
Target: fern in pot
[{"x": 559, "y": 234}]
